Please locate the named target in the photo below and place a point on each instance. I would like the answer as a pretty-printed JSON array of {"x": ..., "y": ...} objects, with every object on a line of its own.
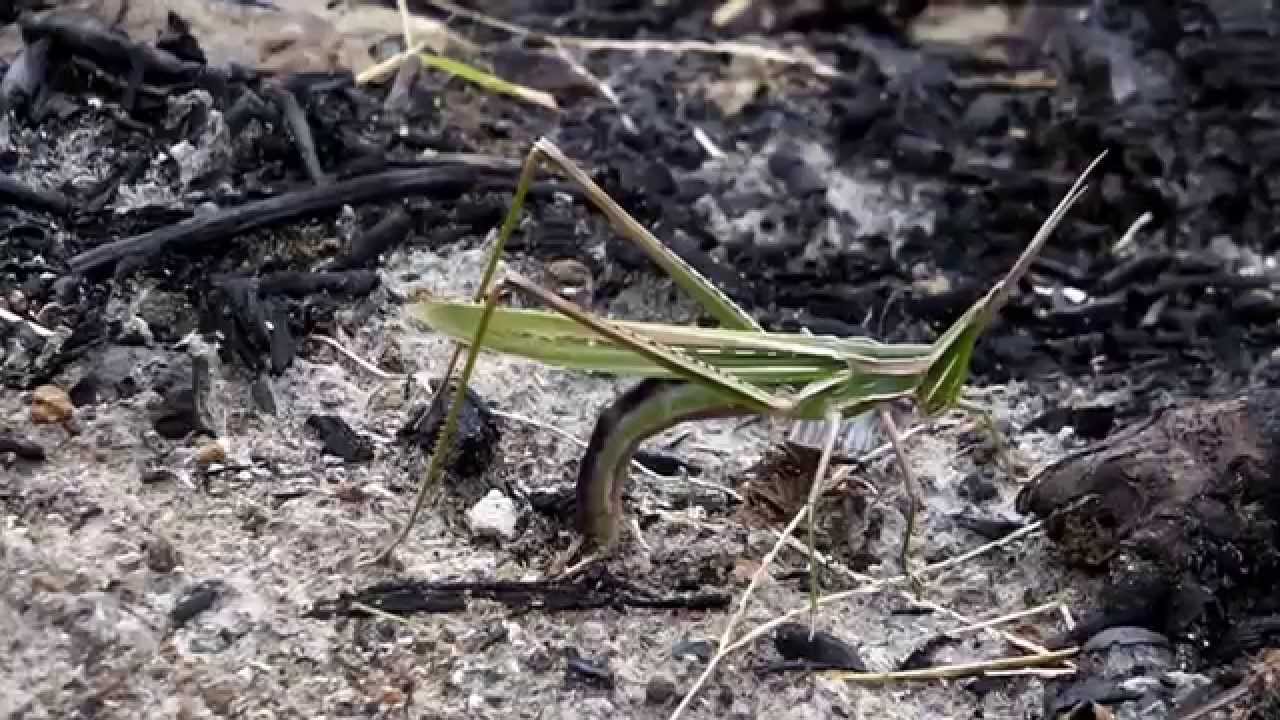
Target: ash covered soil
[{"x": 154, "y": 572}]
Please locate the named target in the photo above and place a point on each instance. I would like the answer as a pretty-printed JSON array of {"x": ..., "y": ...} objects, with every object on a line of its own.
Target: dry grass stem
[
  {"x": 1006, "y": 618},
  {"x": 958, "y": 670},
  {"x": 672, "y": 46}
]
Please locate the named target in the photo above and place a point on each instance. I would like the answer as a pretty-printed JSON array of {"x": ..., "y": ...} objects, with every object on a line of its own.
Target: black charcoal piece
[
  {"x": 476, "y": 436},
  {"x": 821, "y": 650},
  {"x": 198, "y": 598},
  {"x": 25, "y": 449},
  {"x": 581, "y": 670},
  {"x": 339, "y": 439}
]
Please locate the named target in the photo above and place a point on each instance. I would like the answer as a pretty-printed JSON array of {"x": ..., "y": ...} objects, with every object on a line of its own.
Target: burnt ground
[{"x": 214, "y": 475}]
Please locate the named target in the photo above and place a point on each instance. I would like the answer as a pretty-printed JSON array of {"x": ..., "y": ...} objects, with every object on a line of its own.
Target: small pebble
[
  {"x": 698, "y": 649},
  {"x": 197, "y": 599},
  {"x": 161, "y": 556},
  {"x": 494, "y": 516},
  {"x": 153, "y": 476},
  {"x": 129, "y": 561},
  {"x": 572, "y": 276},
  {"x": 588, "y": 671},
  {"x": 17, "y": 302},
  {"x": 220, "y": 696},
  {"x": 50, "y": 405},
  {"x": 135, "y": 331},
  {"x": 659, "y": 690},
  {"x": 211, "y": 453},
  {"x": 978, "y": 488}
]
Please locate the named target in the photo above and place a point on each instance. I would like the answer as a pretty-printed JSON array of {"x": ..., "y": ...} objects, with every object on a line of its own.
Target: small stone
[
  {"x": 211, "y": 453},
  {"x": 17, "y": 302},
  {"x": 45, "y": 582},
  {"x": 596, "y": 706},
  {"x": 50, "y": 405},
  {"x": 978, "y": 488},
  {"x": 197, "y": 599},
  {"x": 350, "y": 492},
  {"x": 153, "y": 476},
  {"x": 392, "y": 696},
  {"x": 264, "y": 397},
  {"x": 572, "y": 277},
  {"x": 129, "y": 561},
  {"x": 161, "y": 556},
  {"x": 220, "y": 697},
  {"x": 698, "y": 649},
  {"x": 135, "y": 331},
  {"x": 494, "y": 516},
  {"x": 659, "y": 690},
  {"x": 933, "y": 286},
  {"x": 340, "y": 439},
  {"x": 797, "y": 641}
]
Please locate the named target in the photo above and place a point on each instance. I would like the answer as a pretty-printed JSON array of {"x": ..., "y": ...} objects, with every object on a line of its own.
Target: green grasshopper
[{"x": 696, "y": 373}]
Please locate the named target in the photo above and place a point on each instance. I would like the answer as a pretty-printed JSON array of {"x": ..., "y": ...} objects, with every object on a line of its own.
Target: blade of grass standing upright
[{"x": 445, "y": 439}]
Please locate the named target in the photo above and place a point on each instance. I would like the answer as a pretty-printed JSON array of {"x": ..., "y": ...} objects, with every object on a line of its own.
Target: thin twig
[
  {"x": 1042, "y": 673},
  {"x": 729, "y": 11},
  {"x": 707, "y": 143},
  {"x": 1006, "y": 618},
  {"x": 365, "y": 364},
  {"x": 1008, "y": 637},
  {"x": 958, "y": 560},
  {"x": 727, "y": 634},
  {"x": 405, "y": 20},
  {"x": 1132, "y": 233},
  {"x": 383, "y": 614},
  {"x": 873, "y": 586},
  {"x": 675, "y": 47},
  {"x": 12, "y": 319},
  {"x": 957, "y": 670},
  {"x": 600, "y": 86},
  {"x": 383, "y": 70},
  {"x": 1067, "y": 618},
  {"x": 815, "y": 493}
]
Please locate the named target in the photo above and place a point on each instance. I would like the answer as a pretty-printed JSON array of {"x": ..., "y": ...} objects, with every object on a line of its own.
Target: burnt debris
[
  {"x": 1182, "y": 514},
  {"x": 474, "y": 440},
  {"x": 596, "y": 590}
]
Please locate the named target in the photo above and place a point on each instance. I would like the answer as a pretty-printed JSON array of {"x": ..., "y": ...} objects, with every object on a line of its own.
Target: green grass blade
[{"x": 488, "y": 81}]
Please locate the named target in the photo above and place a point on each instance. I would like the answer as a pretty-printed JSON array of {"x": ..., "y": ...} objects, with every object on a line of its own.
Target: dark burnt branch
[
  {"x": 367, "y": 246},
  {"x": 81, "y": 34},
  {"x": 11, "y": 443},
  {"x": 404, "y": 597},
  {"x": 229, "y": 223},
  {"x": 296, "y": 118}
]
